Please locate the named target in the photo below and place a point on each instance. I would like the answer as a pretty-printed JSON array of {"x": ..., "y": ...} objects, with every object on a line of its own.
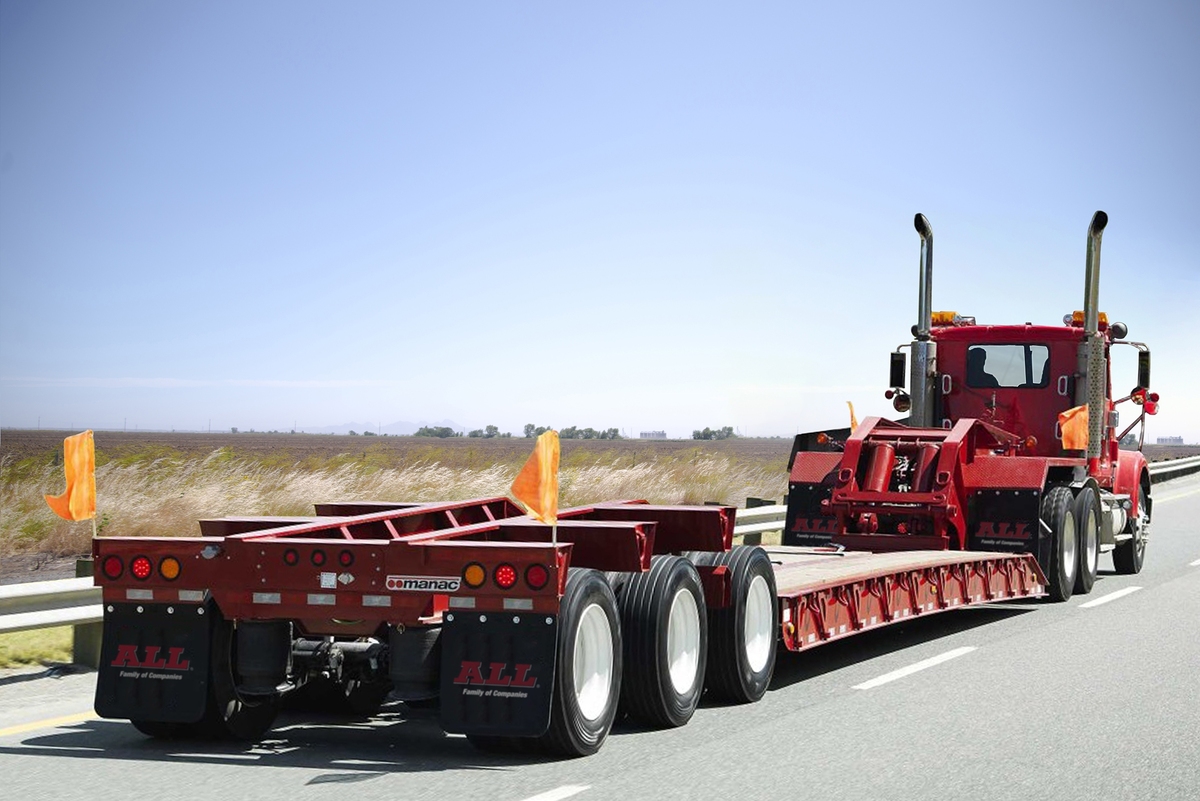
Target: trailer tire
[
  {"x": 743, "y": 637},
  {"x": 1058, "y": 513},
  {"x": 1087, "y": 523},
  {"x": 587, "y": 679},
  {"x": 230, "y": 715},
  {"x": 1129, "y": 555},
  {"x": 665, "y": 634}
]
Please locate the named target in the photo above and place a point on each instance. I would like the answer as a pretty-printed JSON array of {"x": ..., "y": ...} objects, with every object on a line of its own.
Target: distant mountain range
[{"x": 397, "y": 429}]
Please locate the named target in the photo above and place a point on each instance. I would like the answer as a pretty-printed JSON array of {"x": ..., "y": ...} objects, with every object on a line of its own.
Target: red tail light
[
  {"x": 345, "y": 558},
  {"x": 291, "y": 557},
  {"x": 505, "y": 576},
  {"x": 318, "y": 558},
  {"x": 537, "y": 576},
  {"x": 112, "y": 567},
  {"x": 141, "y": 568}
]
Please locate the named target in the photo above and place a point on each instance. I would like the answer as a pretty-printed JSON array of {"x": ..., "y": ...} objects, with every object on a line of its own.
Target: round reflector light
[
  {"x": 505, "y": 576},
  {"x": 113, "y": 566},
  {"x": 345, "y": 558},
  {"x": 168, "y": 568},
  {"x": 537, "y": 576},
  {"x": 474, "y": 575},
  {"x": 141, "y": 568},
  {"x": 318, "y": 558},
  {"x": 291, "y": 557}
]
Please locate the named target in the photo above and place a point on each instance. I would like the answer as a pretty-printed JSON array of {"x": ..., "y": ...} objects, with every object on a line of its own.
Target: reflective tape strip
[
  {"x": 194, "y": 596},
  {"x": 518, "y": 603},
  {"x": 321, "y": 599},
  {"x": 461, "y": 602},
  {"x": 139, "y": 595},
  {"x": 266, "y": 598},
  {"x": 377, "y": 600}
]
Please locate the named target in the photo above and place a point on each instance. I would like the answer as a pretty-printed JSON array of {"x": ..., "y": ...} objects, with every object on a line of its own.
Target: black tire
[
  {"x": 1063, "y": 563},
  {"x": 1087, "y": 523},
  {"x": 588, "y": 627},
  {"x": 231, "y": 715},
  {"x": 743, "y": 637},
  {"x": 1129, "y": 555},
  {"x": 664, "y": 628}
]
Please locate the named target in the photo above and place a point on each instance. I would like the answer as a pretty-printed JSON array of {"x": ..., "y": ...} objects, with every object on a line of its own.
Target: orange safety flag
[
  {"x": 536, "y": 486},
  {"x": 853, "y": 418},
  {"x": 79, "y": 460},
  {"x": 1074, "y": 425}
]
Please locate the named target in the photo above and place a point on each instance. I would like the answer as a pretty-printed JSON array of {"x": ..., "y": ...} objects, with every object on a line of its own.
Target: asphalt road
[{"x": 1082, "y": 700}]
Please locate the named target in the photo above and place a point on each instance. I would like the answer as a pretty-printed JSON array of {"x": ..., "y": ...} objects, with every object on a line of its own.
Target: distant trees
[
  {"x": 573, "y": 432},
  {"x": 437, "y": 431},
  {"x": 720, "y": 433},
  {"x": 489, "y": 432}
]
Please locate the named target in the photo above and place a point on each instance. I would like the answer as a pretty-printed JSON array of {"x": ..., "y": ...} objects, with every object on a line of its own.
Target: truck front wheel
[
  {"x": 1131, "y": 553},
  {"x": 1058, "y": 514}
]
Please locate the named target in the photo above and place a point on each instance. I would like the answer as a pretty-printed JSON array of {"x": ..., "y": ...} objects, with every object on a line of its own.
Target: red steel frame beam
[{"x": 831, "y": 610}]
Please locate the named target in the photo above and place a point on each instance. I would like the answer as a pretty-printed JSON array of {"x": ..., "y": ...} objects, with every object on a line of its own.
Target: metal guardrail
[
  {"x": 77, "y": 602},
  {"x": 1164, "y": 471}
]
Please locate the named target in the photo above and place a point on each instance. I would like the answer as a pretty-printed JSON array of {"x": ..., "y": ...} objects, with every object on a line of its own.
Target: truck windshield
[{"x": 995, "y": 366}]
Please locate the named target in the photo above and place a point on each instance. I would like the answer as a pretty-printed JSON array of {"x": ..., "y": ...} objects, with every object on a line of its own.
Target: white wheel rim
[
  {"x": 1069, "y": 544},
  {"x": 758, "y": 635},
  {"x": 1093, "y": 540},
  {"x": 593, "y": 662},
  {"x": 683, "y": 641}
]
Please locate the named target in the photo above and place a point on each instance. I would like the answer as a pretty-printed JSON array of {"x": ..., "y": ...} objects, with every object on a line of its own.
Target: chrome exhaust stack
[
  {"x": 924, "y": 351},
  {"x": 1091, "y": 360}
]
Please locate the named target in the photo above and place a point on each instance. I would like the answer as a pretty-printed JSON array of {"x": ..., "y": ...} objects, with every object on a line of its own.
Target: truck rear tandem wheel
[{"x": 1058, "y": 516}]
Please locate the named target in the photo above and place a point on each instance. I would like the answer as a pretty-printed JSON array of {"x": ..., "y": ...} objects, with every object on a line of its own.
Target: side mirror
[
  {"x": 1118, "y": 330},
  {"x": 1144, "y": 369},
  {"x": 899, "y": 368}
]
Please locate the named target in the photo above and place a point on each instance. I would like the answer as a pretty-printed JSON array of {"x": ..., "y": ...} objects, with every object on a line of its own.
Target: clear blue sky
[{"x": 603, "y": 214}]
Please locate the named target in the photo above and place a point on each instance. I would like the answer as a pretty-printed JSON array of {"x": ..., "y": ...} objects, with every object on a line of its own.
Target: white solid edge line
[
  {"x": 1112, "y": 596},
  {"x": 559, "y": 793},
  {"x": 1194, "y": 564},
  {"x": 908, "y": 671}
]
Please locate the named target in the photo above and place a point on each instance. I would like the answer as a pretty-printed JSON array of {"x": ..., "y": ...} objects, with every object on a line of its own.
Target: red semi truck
[{"x": 522, "y": 636}]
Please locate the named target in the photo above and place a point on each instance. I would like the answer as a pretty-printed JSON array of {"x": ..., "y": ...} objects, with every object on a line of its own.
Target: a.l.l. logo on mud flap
[
  {"x": 127, "y": 656},
  {"x": 498, "y": 682}
]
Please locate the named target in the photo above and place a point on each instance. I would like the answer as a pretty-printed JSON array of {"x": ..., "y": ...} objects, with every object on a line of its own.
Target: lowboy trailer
[{"x": 525, "y": 635}]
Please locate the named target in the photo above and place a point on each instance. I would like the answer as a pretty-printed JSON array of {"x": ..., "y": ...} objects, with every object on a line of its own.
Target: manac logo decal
[
  {"x": 497, "y": 675},
  {"x": 423, "y": 583},
  {"x": 127, "y": 656}
]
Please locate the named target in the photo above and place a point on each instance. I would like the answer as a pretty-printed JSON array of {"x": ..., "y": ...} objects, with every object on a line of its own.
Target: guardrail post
[{"x": 85, "y": 641}]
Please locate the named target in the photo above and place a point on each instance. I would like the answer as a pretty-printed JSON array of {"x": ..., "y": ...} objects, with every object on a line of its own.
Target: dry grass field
[{"x": 158, "y": 484}]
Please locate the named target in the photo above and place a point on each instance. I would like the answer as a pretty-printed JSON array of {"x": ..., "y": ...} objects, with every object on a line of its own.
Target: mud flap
[
  {"x": 154, "y": 663},
  {"x": 497, "y": 673}
]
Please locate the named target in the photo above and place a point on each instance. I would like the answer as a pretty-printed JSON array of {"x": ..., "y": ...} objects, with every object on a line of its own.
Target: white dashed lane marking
[
  {"x": 914, "y": 668},
  {"x": 1112, "y": 596}
]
